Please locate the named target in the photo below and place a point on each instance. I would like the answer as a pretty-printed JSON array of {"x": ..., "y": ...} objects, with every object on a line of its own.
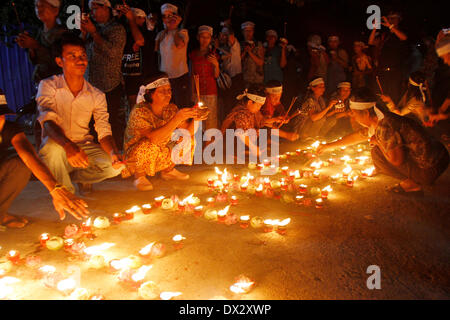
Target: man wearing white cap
[
  {"x": 337, "y": 118},
  {"x": 39, "y": 49},
  {"x": 205, "y": 64},
  {"x": 105, "y": 41},
  {"x": 401, "y": 147},
  {"x": 274, "y": 57},
  {"x": 171, "y": 43},
  {"x": 252, "y": 56}
]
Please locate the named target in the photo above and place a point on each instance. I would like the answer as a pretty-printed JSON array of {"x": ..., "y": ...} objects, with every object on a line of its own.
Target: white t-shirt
[
  {"x": 235, "y": 67},
  {"x": 173, "y": 59}
]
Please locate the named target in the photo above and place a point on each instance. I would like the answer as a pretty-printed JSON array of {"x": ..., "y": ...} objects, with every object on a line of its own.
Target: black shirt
[{"x": 9, "y": 131}]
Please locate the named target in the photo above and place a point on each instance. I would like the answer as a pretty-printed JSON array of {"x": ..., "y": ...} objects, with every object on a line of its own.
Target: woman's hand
[
  {"x": 63, "y": 200},
  {"x": 213, "y": 60},
  {"x": 185, "y": 114},
  {"x": 88, "y": 26}
]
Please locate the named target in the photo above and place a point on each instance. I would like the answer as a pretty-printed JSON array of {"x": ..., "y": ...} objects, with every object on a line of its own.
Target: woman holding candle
[
  {"x": 313, "y": 110},
  {"x": 148, "y": 146},
  {"x": 401, "y": 147}
]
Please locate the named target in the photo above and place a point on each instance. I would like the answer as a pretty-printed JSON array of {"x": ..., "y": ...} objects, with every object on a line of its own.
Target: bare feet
[
  {"x": 409, "y": 185},
  {"x": 10, "y": 221},
  {"x": 174, "y": 175},
  {"x": 143, "y": 184}
]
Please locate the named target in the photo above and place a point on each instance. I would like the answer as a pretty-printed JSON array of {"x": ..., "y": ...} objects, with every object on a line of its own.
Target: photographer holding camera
[{"x": 252, "y": 55}]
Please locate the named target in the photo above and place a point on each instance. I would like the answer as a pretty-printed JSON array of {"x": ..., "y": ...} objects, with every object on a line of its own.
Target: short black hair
[
  {"x": 363, "y": 94},
  {"x": 68, "y": 38},
  {"x": 273, "y": 84}
]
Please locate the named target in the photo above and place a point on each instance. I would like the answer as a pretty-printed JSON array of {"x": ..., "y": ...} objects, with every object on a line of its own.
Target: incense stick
[
  {"x": 290, "y": 107},
  {"x": 17, "y": 14},
  {"x": 379, "y": 85},
  {"x": 197, "y": 86}
]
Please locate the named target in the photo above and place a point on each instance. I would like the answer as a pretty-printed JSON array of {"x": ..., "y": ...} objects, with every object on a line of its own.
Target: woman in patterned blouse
[{"x": 148, "y": 145}]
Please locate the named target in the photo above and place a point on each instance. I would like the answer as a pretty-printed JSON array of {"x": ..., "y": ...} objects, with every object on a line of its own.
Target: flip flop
[
  {"x": 13, "y": 219},
  {"x": 398, "y": 189}
]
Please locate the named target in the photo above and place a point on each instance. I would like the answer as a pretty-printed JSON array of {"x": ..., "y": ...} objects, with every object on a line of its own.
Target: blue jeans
[{"x": 99, "y": 169}]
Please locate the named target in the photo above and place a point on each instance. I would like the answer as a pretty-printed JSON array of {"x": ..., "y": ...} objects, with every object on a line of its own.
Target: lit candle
[
  {"x": 368, "y": 172},
  {"x": 266, "y": 162},
  {"x": 219, "y": 173},
  {"x": 233, "y": 200},
  {"x": 267, "y": 182},
  {"x": 299, "y": 200},
  {"x": 268, "y": 225},
  {"x": 181, "y": 205},
  {"x": 298, "y": 152},
  {"x": 13, "y": 256},
  {"x": 316, "y": 174},
  {"x": 347, "y": 171},
  {"x": 101, "y": 222},
  {"x": 86, "y": 226},
  {"x": 158, "y": 201},
  {"x": 285, "y": 170},
  {"x": 54, "y": 243},
  {"x": 244, "y": 186},
  {"x": 117, "y": 218},
  {"x": 258, "y": 191},
  {"x": 282, "y": 226},
  {"x": 302, "y": 188},
  {"x": 237, "y": 177},
  {"x": 178, "y": 241},
  {"x": 68, "y": 243},
  {"x": 242, "y": 285},
  {"x": 210, "y": 201},
  {"x": 222, "y": 214},
  {"x": 350, "y": 181},
  {"x": 147, "y": 208},
  {"x": 66, "y": 286},
  {"x": 43, "y": 238},
  {"x": 129, "y": 214},
  {"x": 145, "y": 251},
  {"x": 210, "y": 182},
  {"x": 198, "y": 211},
  {"x": 325, "y": 191},
  {"x": 244, "y": 221},
  {"x": 283, "y": 185},
  {"x": 319, "y": 203}
]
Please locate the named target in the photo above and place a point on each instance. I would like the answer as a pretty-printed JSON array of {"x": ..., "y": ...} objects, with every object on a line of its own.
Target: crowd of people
[{"x": 110, "y": 97}]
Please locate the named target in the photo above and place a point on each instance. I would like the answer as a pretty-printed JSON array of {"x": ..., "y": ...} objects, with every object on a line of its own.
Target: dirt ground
[{"x": 324, "y": 255}]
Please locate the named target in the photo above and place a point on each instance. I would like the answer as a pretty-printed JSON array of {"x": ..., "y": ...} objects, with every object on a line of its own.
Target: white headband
[
  {"x": 253, "y": 97},
  {"x": 361, "y": 105},
  {"x": 316, "y": 82},
  {"x": 105, "y": 3},
  {"x": 169, "y": 7},
  {"x": 248, "y": 25},
  {"x": 153, "y": 85},
  {"x": 443, "y": 46},
  {"x": 421, "y": 88},
  {"x": 3, "y": 99},
  {"x": 205, "y": 28},
  {"x": 139, "y": 12},
  {"x": 53, "y": 3},
  {"x": 275, "y": 90},
  {"x": 344, "y": 84}
]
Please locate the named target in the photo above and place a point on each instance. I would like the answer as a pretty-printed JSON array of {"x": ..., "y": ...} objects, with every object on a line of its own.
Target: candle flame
[
  {"x": 47, "y": 269},
  {"x": 269, "y": 222},
  {"x": 146, "y": 250},
  {"x": 133, "y": 209},
  {"x": 66, "y": 284},
  {"x": 347, "y": 170},
  {"x": 7, "y": 281},
  {"x": 88, "y": 222},
  {"x": 45, "y": 236},
  {"x": 316, "y": 164},
  {"x": 316, "y": 144},
  {"x": 245, "y": 184},
  {"x": 284, "y": 222},
  {"x": 200, "y": 104},
  {"x": 266, "y": 180},
  {"x": 169, "y": 295},
  {"x": 319, "y": 201},
  {"x": 224, "y": 211},
  {"x": 12, "y": 253},
  {"x": 97, "y": 249},
  {"x": 161, "y": 198},
  {"x": 147, "y": 206},
  {"x": 316, "y": 173},
  {"x": 178, "y": 237},
  {"x": 243, "y": 285},
  {"x": 260, "y": 188},
  {"x": 218, "y": 171},
  {"x": 141, "y": 273},
  {"x": 336, "y": 176},
  {"x": 327, "y": 188},
  {"x": 244, "y": 218},
  {"x": 369, "y": 171}
]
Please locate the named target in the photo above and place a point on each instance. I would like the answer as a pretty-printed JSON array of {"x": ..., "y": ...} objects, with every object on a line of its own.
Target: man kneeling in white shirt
[{"x": 66, "y": 105}]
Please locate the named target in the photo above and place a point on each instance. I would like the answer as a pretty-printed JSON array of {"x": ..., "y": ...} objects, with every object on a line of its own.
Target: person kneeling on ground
[
  {"x": 401, "y": 147},
  {"x": 148, "y": 145},
  {"x": 15, "y": 174},
  {"x": 66, "y": 104},
  {"x": 273, "y": 109}
]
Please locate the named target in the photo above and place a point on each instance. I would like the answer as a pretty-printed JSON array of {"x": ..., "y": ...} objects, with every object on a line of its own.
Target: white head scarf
[
  {"x": 247, "y": 25},
  {"x": 421, "y": 88},
  {"x": 344, "y": 84},
  {"x": 253, "y": 97},
  {"x": 274, "y": 90},
  {"x": 169, "y": 7},
  {"x": 152, "y": 85},
  {"x": 205, "y": 28},
  {"x": 365, "y": 106},
  {"x": 316, "y": 82},
  {"x": 443, "y": 45}
]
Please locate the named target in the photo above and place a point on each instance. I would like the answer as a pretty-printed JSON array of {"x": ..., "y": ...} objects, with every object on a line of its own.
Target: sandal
[
  {"x": 14, "y": 222},
  {"x": 143, "y": 184},
  {"x": 398, "y": 189}
]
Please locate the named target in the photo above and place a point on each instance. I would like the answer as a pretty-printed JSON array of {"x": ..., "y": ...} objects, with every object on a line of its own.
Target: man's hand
[
  {"x": 77, "y": 158},
  {"x": 117, "y": 160},
  {"x": 213, "y": 60},
  {"x": 26, "y": 42},
  {"x": 88, "y": 26},
  {"x": 63, "y": 201},
  {"x": 385, "y": 22}
]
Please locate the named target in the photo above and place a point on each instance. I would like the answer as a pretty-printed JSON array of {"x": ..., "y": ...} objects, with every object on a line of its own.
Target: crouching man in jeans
[{"x": 66, "y": 104}]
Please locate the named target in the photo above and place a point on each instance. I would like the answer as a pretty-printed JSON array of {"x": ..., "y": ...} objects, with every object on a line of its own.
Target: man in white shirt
[
  {"x": 66, "y": 105},
  {"x": 172, "y": 44}
]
